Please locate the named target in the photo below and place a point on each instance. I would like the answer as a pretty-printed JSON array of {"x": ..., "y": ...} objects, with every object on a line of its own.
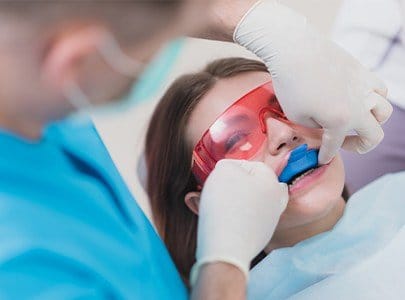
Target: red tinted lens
[{"x": 238, "y": 133}]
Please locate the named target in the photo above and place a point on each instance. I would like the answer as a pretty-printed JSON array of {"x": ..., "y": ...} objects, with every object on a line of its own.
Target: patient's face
[{"x": 311, "y": 197}]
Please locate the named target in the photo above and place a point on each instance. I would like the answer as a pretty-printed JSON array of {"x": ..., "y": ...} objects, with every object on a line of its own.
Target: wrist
[
  {"x": 242, "y": 267},
  {"x": 219, "y": 280},
  {"x": 270, "y": 22},
  {"x": 225, "y": 15}
]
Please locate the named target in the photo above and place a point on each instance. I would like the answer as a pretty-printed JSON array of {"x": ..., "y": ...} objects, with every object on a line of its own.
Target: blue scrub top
[{"x": 70, "y": 228}]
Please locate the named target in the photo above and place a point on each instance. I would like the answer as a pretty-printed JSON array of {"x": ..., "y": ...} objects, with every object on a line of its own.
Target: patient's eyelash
[{"x": 234, "y": 139}]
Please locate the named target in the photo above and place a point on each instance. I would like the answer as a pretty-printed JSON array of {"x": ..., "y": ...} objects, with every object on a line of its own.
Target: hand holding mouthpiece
[
  {"x": 240, "y": 207},
  {"x": 317, "y": 83}
]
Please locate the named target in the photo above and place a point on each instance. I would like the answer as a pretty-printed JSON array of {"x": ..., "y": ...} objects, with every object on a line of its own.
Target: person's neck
[
  {"x": 23, "y": 127},
  {"x": 291, "y": 236}
]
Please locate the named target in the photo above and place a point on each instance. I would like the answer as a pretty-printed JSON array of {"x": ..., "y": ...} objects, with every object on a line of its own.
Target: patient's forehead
[{"x": 224, "y": 93}]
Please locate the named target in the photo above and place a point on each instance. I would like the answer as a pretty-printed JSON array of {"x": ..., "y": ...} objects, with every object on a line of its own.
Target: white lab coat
[{"x": 373, "y": 31}]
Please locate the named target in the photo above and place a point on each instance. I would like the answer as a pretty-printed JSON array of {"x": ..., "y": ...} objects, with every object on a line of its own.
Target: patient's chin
[{"x": 317, "y": 202}]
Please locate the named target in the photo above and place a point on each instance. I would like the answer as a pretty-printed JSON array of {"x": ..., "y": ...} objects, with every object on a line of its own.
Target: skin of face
[{"x": 307, "y": 205}]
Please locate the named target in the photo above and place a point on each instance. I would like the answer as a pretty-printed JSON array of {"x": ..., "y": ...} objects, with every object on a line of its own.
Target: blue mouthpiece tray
[{"x": 301, "y": 159}]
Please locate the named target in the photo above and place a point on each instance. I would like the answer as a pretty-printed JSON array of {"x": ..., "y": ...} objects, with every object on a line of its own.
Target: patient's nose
[{"x": 281, "y": 136}]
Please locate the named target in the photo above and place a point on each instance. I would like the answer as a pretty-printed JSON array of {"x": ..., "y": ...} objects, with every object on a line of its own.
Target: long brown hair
[{"x": 168, "y": 157}]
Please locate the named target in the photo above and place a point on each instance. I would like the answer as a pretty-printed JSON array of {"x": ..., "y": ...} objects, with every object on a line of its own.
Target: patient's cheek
[
  {"x": 264, "y": 156},
  {"x": 311, "y": 206},
  {"x": 339, "y": 171}
]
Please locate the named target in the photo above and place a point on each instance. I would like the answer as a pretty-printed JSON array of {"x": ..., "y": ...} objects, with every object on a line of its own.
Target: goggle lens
[{"x": 238, "y": 133}]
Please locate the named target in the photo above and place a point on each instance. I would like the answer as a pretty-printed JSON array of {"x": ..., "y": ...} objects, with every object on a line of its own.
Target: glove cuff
[
  {"x": 195, "y": 270},
  {"x": 247, "y": 14},
  {"x": 269, "y": 27}
]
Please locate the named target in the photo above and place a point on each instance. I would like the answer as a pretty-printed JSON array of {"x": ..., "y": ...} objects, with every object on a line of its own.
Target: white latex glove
[
  {"x": 317, "y": 83},
  {"x": 240, "y": 207}
]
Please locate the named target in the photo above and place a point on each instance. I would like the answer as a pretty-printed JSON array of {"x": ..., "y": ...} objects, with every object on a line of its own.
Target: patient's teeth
[{"x": 301, "y": 176}]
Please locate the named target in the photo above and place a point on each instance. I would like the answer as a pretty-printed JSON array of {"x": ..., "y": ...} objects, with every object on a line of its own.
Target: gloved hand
[
  {"x": 317, "y": 83},
  {"x": 240, "y": 207}
]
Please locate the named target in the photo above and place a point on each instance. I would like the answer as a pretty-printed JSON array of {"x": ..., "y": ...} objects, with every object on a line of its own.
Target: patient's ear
[{"x": 192, "y": 200}]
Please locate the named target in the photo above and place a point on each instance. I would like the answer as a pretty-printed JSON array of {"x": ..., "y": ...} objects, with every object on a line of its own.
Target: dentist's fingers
[
  {"x": 262, "y": 172},
  {"x": 235, "y": 164},
  {"x": 381, "y": 109},
  {"x": 370, "y": 134},
  {"x": 332, "y": 140},
  {"x": 378, "y": 85},
  {"x": 254, "y": 168}
]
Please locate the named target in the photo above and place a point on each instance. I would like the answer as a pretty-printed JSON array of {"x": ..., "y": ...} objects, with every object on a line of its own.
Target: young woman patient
[{"x": 234, "y": 99}]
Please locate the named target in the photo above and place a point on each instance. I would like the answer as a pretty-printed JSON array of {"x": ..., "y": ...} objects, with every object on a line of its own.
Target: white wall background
[{"x": 123, "y": 133}]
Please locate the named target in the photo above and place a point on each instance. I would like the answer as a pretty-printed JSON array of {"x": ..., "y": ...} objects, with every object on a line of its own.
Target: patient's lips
[
  {"x": 307, "y": 179},
  {"x": 283, "y": 163},
  {"x": 301, "y": 160}
]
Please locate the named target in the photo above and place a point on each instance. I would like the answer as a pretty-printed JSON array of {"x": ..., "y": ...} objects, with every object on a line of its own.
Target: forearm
[
  {"x": 219, "y": 281},
  {"x": 235, "y": 191}
]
